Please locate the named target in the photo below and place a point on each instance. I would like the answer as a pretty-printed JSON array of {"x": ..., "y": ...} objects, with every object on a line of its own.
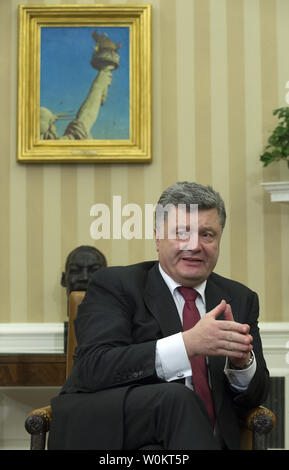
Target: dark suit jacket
[{"x": 125, "y": 311}]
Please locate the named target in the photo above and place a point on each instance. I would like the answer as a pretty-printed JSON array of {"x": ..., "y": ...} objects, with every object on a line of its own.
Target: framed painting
[{"x": 84, "y": 83}]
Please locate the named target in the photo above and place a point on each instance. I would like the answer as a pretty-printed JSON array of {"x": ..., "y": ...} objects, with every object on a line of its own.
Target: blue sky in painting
[{"x": 66, "y": 77}]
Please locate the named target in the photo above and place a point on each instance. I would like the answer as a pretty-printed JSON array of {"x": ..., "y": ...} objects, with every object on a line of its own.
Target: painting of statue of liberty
[{"x": 84, "y": 83}]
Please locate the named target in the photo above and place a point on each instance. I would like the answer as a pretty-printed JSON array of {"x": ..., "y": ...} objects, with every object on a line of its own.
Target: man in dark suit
[{"x": 143, "y": 374}]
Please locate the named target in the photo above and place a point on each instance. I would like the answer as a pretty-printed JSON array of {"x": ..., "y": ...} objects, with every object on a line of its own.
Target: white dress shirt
[{"x": 172, "y": 361}]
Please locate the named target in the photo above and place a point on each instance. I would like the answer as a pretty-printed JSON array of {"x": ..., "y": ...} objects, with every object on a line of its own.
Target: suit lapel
[
  {"x": 214, "y": 294},
  {"x": 160, "y": 303}
]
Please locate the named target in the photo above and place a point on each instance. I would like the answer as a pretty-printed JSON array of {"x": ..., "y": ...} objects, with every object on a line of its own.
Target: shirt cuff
[
  {"x": 240, "y": 379},
  {"x": 172, "y": 362}
]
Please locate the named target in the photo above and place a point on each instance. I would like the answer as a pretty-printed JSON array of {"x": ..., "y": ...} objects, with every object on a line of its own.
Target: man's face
[{"x": 189, "y": 254}]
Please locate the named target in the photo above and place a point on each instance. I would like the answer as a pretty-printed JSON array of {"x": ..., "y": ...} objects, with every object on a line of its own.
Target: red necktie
[{"x": 191, "y": 316}]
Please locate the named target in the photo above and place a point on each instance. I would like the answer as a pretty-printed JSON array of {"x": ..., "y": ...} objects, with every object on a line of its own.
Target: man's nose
[{"x": 191, "y": 244}]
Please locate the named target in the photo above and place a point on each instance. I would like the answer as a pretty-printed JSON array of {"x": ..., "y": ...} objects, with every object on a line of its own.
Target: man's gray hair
[{"x": 187, "y": 193}]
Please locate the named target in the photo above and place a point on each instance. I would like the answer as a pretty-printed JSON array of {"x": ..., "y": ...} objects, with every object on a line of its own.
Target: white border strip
[
  {"x": 49, "y": 338},
  {"x": 31, "y": 338}
]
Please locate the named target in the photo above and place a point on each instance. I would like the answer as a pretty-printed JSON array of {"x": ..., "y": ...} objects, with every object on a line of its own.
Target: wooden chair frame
[{"x": 255, "y": 426}]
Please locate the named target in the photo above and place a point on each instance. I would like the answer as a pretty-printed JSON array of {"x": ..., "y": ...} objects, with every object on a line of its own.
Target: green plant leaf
[{"x": 278, "y": 142}]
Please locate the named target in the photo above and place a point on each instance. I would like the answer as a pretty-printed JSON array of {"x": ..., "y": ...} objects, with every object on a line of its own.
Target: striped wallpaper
[{"x": 219, "y": 69}]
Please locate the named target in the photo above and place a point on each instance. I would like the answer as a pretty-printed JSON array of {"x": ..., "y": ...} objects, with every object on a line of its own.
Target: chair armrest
[
  {"x": 37, "y": 424},
  {"x": 260, "y": 419},
  {"x": 258, "y": 422}
]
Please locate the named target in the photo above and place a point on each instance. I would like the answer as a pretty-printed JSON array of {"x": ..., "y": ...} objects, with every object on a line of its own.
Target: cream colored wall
[{"x": 219, "y": 69}]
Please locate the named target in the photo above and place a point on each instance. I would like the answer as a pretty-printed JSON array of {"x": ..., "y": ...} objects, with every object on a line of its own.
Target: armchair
[{"x": 255, "y": 425}]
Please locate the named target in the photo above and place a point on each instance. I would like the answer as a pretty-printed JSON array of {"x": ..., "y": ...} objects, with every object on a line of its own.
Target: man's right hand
[{"x": 212, "y": 337}]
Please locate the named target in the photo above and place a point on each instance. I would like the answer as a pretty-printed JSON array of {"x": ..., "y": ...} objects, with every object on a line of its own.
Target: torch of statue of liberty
[{"x": 105, "y": 59}]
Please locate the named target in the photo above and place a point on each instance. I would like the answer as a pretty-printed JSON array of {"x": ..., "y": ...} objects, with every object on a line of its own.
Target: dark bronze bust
[{"x": 80, "y": 264}]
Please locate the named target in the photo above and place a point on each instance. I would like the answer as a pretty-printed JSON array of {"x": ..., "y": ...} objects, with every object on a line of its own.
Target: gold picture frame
[{"x": 83, "y": 96}]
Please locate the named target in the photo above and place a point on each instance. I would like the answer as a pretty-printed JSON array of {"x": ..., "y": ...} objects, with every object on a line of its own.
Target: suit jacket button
[{"x": 180, "y": 375}]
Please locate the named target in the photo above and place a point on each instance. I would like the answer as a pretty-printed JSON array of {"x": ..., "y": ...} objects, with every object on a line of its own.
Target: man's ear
[
  {"x": 63, "y": 280},
  {"x": 157, "y": 240}
]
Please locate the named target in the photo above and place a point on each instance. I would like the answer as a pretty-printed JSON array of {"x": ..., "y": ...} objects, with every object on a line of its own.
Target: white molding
[
  {"x": 279, "y": 190},
  {"x": 49, "y": 338},
  {"x": 33, "y": 338}
]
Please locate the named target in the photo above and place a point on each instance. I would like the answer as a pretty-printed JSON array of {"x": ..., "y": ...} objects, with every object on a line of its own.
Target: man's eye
[
  {"x": 182, "y": 235},
  {"x": 207, "y": 235}
]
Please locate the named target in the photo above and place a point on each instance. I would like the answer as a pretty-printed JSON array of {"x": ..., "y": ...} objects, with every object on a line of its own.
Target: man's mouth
[{"x": 193, "y": 260}]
